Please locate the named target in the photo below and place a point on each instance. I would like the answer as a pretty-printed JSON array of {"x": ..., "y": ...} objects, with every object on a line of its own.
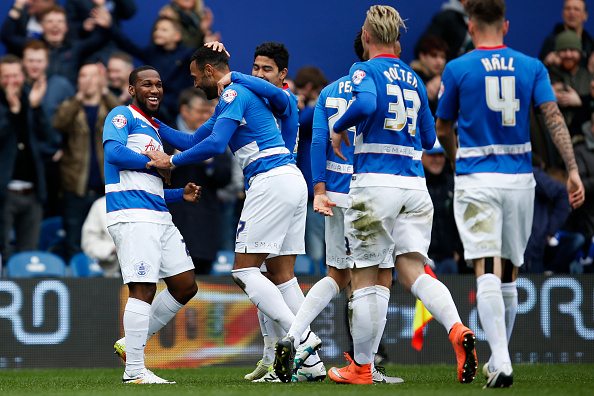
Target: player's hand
[
  {"x": 166, "y": 175},
  {"x": 322, "y": 204},
  {"x": 575, "y": 188},
  {"x": 192, "y": 192},
  {"x": 217, "y": 46},
  {"x": 337, "y": 139},
  {"x": 158, "y": 159},
  {"x": 223, "y": 82}
]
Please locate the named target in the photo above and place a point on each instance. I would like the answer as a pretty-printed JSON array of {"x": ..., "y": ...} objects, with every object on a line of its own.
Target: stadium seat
[
  {"x": 304, "y": 265},
  {"x": 52, "y": 235},
  {"x": 223, "y": 264},
  {"x": 35, "y": 263},
  {"x": 83, "y": 266}
]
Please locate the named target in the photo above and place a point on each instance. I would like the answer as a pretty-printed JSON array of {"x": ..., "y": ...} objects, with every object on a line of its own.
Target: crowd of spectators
[{"x": 67, "y": 67}]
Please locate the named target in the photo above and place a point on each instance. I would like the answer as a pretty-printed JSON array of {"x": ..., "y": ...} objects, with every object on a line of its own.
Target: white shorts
[
  {"x": 273, "y": 216},
  {"x": 494, "y": 222},
  {"x": 337, "y": 244},
  {"x": 148, "y": 252},
  {"x": 384, "y": 221}
]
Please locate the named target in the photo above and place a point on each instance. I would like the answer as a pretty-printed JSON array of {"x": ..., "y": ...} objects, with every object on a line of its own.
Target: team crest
[
  {"x": 358, "y": 76},
  {"x": 141, "y": 269},
  {"x": 229, "y": 95},
  {"x": 119, "y": 121}
]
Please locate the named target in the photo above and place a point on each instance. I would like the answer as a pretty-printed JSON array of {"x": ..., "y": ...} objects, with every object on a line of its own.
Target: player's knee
[{"x": 385, "y": 277}]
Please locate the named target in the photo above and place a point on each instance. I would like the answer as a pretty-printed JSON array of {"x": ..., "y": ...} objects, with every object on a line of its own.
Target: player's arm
[
  {"x": 118, "y": 154},
  {"x": 190, "y": 193},
  {"x": 212, "y": 145},
  {"x": 447, "y": 138},
  {"x": 180, "y": 140},
  {"x": 362, "y": 107},
  {"x": 320, "y": 133},
  {"x": 560, "y": 135},
  {"x": 279, "y": 100}
]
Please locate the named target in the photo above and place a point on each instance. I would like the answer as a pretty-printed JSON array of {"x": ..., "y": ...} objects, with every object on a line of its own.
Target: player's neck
[
  {"x": 218, "y": 74},
  {"x": 380, "y": 49},
  {"x": 487, "y": 40}
]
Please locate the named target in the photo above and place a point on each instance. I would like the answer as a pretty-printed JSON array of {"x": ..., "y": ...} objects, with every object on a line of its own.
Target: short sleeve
[
  {"x": 117, "y": 125},
  {"x": 361, "y": 78},
  {"x": 448, "y": 105}
]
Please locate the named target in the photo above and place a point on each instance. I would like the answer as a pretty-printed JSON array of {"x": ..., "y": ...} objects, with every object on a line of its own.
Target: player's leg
[
  {"x": 412, "y": 232},
  {"x": 140, "y": 270}
]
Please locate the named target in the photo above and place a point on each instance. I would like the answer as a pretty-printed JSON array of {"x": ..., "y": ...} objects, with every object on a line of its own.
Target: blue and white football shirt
[
  {"x": 133, "y": 194},
  {"x": 489, "y": 91},
  {"x": 390, "y": 143},
  {"x": 325, "y": 165}
]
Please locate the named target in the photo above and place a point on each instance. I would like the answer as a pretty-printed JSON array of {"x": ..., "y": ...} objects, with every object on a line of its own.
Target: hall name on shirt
[
  {"x": 498, "y": 63},
  {"x": 395, "y": 73},
  {"x": 345, "y": 87}
]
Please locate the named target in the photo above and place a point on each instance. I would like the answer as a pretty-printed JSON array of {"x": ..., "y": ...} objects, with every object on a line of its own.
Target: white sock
[
  {"x": 510, "y": 301},
  {"x": 265, "y": 295},
  {"x": 364, "y": 323},
  {"x": 136, "y": 324},
  {"x": 436, "y": 297},
  {"x": 163, "y": 309},
  {"x": 491, "y": 309},
  {"x": 293, "y": 296},
  {"x": 383, "y": 297},
  {"x": 268, "y": 351},
  {"x": 275, "y": 333},
  {"x": 316, "y": 300}
]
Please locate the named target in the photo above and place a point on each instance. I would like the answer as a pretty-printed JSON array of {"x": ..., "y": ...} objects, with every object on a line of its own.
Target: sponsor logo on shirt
[
  {"x": 229, "y": 95},
  {"x": 358, "y": 76},
  {"x": 119, "y": 121}
]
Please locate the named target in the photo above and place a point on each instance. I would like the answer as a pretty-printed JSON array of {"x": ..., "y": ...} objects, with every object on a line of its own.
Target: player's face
[
  {"x": 203, "y": 80},
  {"x": 35, "y": 62},
  {"x": 147, "y": 92},
  {"x": 266, "y": 69},
  {"x": 433, "y": 163},
  {"x": 574, "y": 13},
  {"x": 570, "y": 58}
]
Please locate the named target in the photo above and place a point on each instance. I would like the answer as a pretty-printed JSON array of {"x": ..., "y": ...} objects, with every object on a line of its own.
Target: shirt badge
[
  {"x": 229, "y": 95},
  {"x": 358, "y": 76},
  {"x": 119, "y": 121}
]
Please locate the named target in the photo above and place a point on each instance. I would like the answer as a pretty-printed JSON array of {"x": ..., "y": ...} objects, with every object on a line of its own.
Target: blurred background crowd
[{"x": 65, "y": 65}]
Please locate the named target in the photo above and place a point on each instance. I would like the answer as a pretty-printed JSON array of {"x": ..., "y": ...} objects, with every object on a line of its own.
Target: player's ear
[
  {"x": 283, "y": 74},
  {"x": 505, "y": 27},
  {"x": 131, "y": 90}
]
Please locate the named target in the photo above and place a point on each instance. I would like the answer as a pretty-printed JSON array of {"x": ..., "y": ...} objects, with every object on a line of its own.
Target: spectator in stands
[
  {"x": 35, "y": 62},
  {"x": 571, "y": 82},
  {"x": 119, "y": 67},
  {"x": 26, "y": 14},
  {"x": 81, "y": 24},
  {"x": 575, "y": 15},
  {"x": 432, "y": 59},
  {"x": 309, "y": 82},
  {"x": 195, "y": 20},
  {"x": 166, "y": 54},
  {"x": 445, "y": 241},
  {"x": 582, "y": 219},
  {"x": 23, "y": 130},
  {"x": 65, "y": 56},
  {"x": 451, "y": 25},
  {"x": 212, "y": 174},
  {"x": 548, "y": 248},
  {"x": 96, "y": 241},
  {"x": 80, "y": 119}
]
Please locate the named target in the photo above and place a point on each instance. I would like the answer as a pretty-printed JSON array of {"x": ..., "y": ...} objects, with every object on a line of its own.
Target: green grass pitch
[{"x": 530, "y": 379}]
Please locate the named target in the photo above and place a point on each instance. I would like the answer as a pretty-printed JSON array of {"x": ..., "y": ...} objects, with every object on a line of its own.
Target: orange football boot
[
  {"x": 352, "y": 374},
  {"x": 463, "y": 340}
]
